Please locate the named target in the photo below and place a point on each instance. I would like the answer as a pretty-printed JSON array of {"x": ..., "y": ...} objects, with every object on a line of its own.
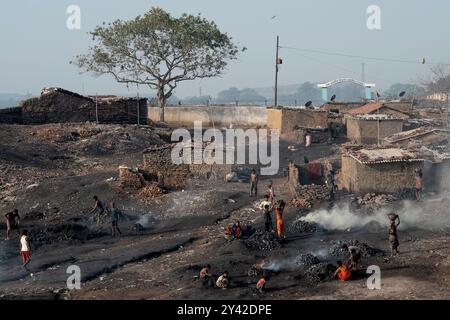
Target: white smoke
[
  {"x": 432, "y": 214},
  {"x": 146, "y": 219},
  {"x": 282, "y": 264}
]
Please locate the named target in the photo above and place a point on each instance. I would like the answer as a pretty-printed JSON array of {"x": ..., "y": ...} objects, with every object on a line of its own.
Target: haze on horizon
[{"x": 37, "y": 46}]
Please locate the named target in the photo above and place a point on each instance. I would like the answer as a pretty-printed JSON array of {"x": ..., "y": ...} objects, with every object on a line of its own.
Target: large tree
[{"x": 159, "y": 51}]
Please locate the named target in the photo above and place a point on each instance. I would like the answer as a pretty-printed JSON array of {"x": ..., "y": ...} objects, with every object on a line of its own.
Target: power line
[{"x": 329, "y": 53}]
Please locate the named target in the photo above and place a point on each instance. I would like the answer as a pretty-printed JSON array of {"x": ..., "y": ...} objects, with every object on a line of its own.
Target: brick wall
[
  {"x": 286, "y": 119},
  {"x": 366, "y": 131},
  {"x": 66, "y": 106},
  {"x": 158, "y": 163},
  {"x": 378, "y": 178}
]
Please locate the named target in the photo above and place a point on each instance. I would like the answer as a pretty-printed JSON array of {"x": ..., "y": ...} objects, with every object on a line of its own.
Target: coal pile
[
  {"x": 258, "y": 271},
  {"x": 306, "y": 260},
  {"x": 300, "y": 226},
  {"x": 366, "y": 250},
  {"x": 319, "y": 272},
  {"x": 263, "y": 241},
  {"x": 71, "y": 232}
]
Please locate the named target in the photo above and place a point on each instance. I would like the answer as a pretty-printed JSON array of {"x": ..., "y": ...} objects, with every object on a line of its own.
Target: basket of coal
[
  {"x": 258, "y": 271},
  {"x": 392, "y": 216},
  {"x": 264, "y": 241}
]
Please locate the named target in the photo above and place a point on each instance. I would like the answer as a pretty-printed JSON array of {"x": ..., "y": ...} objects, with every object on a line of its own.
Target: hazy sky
[{"x": 36, "y": 46}]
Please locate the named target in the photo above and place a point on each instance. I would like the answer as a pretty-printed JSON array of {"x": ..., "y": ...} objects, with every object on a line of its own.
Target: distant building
[
  {"x": 368, "y": 129},
  {"x": 439, "y": 96},
  {"x": 378, "y": 170},
  {"x": 395, "y": 109},
  {"x": 289, "y": 119}
]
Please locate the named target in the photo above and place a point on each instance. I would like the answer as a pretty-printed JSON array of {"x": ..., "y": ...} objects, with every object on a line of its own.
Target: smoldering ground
[{"x": 430, "y": 214}]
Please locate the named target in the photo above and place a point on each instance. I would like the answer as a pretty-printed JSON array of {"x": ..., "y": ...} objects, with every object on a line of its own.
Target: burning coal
[{"x": 431, "y": 214}]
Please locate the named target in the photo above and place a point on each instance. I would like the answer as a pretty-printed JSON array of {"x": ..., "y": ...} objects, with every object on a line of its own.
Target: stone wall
[
  {"x": 378, "y": 178},
  {"x": 11, "y": 115},
  {"x": 287, "y": 119},
  {"x": 158, "y": 163},
  {"x": 64, "y": 106},
  {"x": 238, "y": 116},
  {"x": 364, "y": 131}
]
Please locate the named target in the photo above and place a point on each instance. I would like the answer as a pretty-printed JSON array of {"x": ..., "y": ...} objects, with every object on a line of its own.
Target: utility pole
[
  {"x": 138, "y": 104},
  {"x": 363, "y": 72},
  {"x": 276, "y": 72},
  {"x": 378, "y": 122},
  {"x": 96, "y": 108}
]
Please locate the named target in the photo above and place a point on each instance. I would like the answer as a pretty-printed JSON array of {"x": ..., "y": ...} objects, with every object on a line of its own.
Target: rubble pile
[
  {"x": 319, "y": 272},
  {"x": 130, "y": 178},
  {"x": 378, "y": 200},
  {"x": 300, "y": 203},
  {"x": 151, "y": 190},
  {"x": 366, "y": 250},
  {"x": 371, "y": 199},
  {"x": 300, "y": 226},
  {"x": 306, "y": 194},
  {"x": 306, "y": 260},
  {"x": 263, "y": 241}
]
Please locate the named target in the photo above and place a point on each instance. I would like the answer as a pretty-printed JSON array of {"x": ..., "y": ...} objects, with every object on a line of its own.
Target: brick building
[
  {"x": 287, "y": 119},
  {"x": 367, "y": 129},
  {"x": 378, "y": 170}
]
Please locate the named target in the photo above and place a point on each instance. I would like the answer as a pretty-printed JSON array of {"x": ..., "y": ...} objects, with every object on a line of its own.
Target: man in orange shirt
[
  {"x": 279, "y": 210},
  {"x": 342, "y": 272},
  {"x": 261, "y": 284}
]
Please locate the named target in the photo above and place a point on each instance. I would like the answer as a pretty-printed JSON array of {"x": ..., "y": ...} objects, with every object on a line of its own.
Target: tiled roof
[
  {"x": 375, "y": 156},
  {"x": 371, "y": 107}
]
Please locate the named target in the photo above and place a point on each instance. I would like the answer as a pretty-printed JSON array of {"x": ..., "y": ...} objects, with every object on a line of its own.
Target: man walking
[
  {"x": 253, "y": 183},
  {"x": 12, "y": 222},
  {"x": 99, "y": 207}
]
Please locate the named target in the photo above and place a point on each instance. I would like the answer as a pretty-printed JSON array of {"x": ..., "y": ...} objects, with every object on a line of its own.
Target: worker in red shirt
[{"x": 261, "y": 284}]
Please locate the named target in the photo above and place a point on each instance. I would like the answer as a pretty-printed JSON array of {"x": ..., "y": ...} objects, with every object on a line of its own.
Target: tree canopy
[{"x": 159, "y": 51}]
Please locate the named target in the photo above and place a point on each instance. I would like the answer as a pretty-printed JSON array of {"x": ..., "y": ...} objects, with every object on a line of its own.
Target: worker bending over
[
  {"x": 354, "y": 256},
  {"x": 342, "y": 272},
  {"x": 222, "y": 282}
]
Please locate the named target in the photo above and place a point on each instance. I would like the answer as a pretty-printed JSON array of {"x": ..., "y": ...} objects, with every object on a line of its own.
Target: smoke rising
[
  {"x": 146, "y": 219},
  {"x": 431, "y": 214}
]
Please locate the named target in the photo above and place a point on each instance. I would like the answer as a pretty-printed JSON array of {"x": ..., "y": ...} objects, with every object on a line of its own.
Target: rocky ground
[{"x": 51, "y": 172}]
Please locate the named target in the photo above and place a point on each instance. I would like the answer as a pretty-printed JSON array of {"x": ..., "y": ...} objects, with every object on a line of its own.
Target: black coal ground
[
  {"x": 100, "y": 256},
  {"x": 163, "y": 260}
]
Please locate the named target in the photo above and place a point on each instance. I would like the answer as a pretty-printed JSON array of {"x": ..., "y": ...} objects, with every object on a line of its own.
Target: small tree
[{"x": 159, "y": 51}]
